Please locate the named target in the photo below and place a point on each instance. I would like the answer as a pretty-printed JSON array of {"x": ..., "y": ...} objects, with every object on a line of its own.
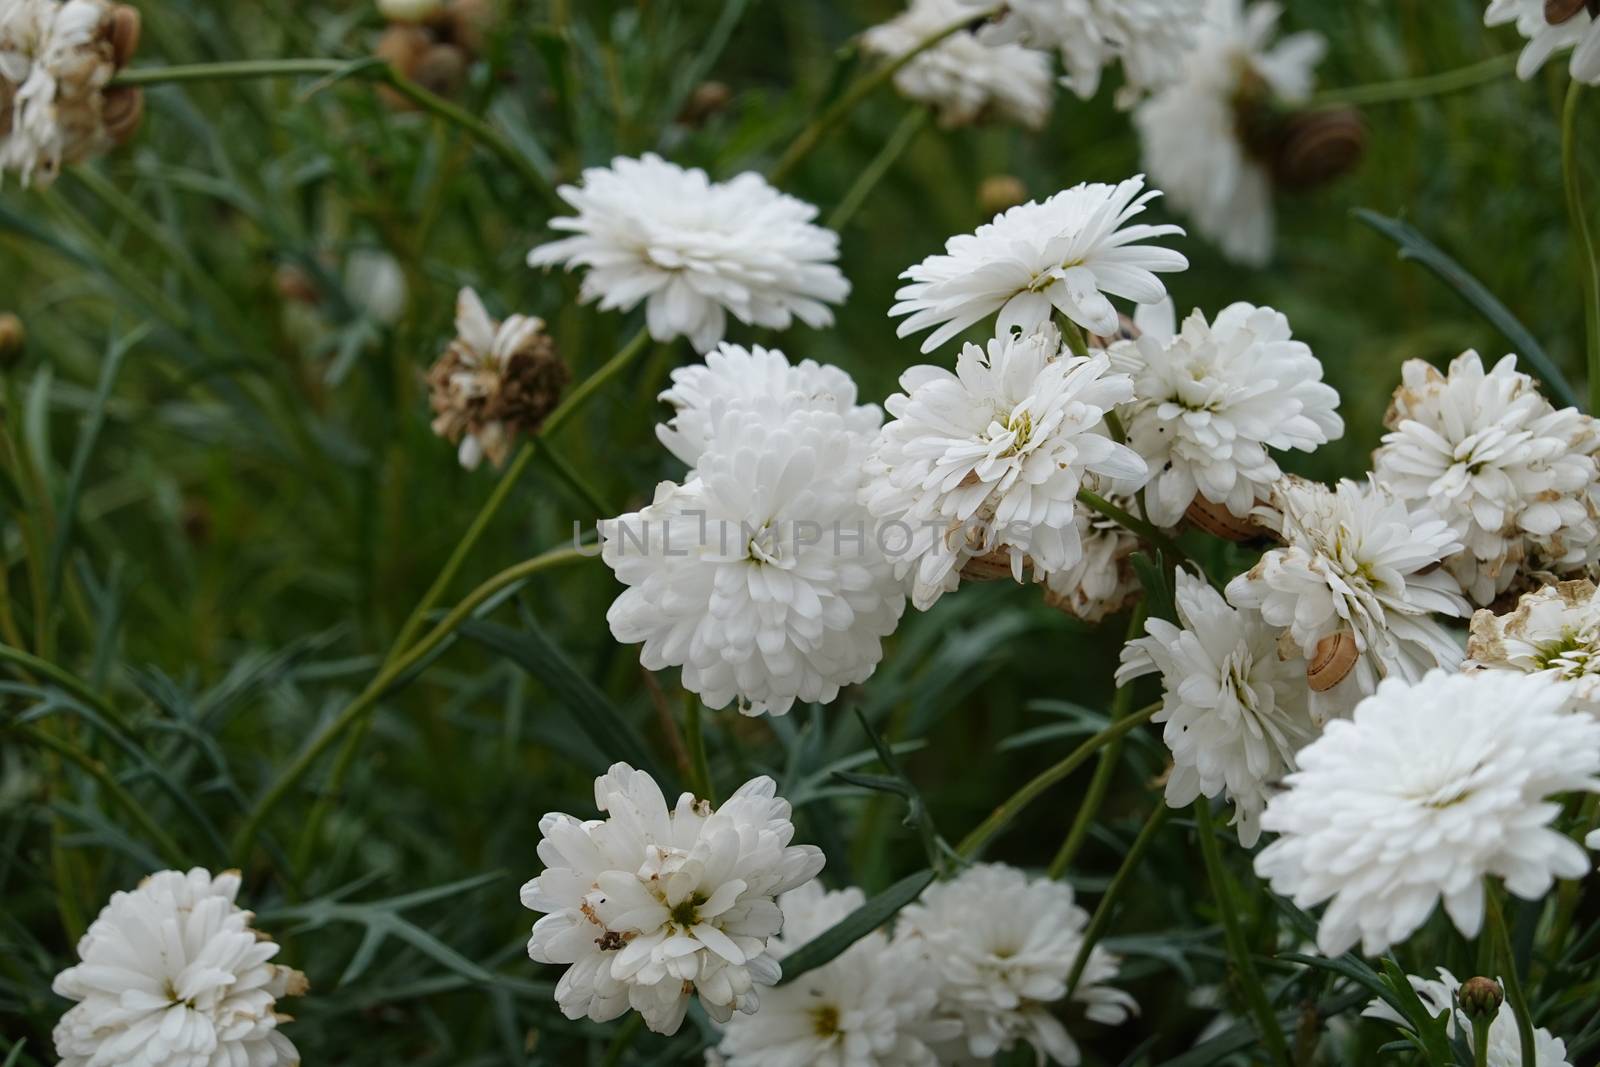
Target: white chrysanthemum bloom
[
  {"x": 1553, "y": 631},
  {"x": 696, "y": 250},
  {"x": 757, "y": 377},
  {"x": 870, "y": 1007},
  {"x": 173, "y": 975},
  {"x": 961, "y": 77},
  {"x": 1429, "y": 788},
  {"x": 1513, "y": 476},
  {"x": 1065, "y": 254},
  {"x": 1212, "y": 398},
  {"x": 1438, "y": 996},
  {"x": 761, "y": 575},
  {"x": 1356, "y": 562},
  {"x": 988, "y": 460},
  {"x": 1236, "y": 712},
  {"x": 495, "y": 382},
  {"x": 1103, "y": 581},
  {"x": 1150, "y": 37},
  {"x": 56, "y": 60},
  {"x": 650, "y": 904},
  {"x": 1191, "y": 133},
  {"x": 1580, "y": 31},
  {"x": 1003, "y": 945}
]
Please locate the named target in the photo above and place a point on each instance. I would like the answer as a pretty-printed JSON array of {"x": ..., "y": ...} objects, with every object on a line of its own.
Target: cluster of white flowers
[
  {"x": 1211, "y": 399},
  {"x": 1552, "y": 26},
  {"x": 1440, "y": 997},
  {"x": 1195, "y": 134},
  {"x": 964, "y": 79},
  {"x": 173, "y": 974},
  {"x": 652, "y": 903},
  {"x": 758, "y": 574},
  {"x": 696, "y": 251},
  {"x": 57, "y": 59},
  {"x": 1516, "y": 479},
  {"x": 1430, "y": 787},
  {"x": 1148, "y": 37}
]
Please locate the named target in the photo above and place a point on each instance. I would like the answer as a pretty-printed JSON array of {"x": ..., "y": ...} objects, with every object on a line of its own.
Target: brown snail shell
[
  {"x": 1332, "y": 661},
  {"x": 993, "y": 567},
  {"x": 1218, "y": 521},
  {"x": 122, "y": 112},
  {"x": 123, "y": 32},
  {"x": 1558, "y": 11},
  {"x": 1316, "y": 147}
]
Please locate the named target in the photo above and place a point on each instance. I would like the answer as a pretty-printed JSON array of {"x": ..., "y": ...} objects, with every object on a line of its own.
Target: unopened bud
[
  {"x": 1480, "y": 998},
  {"x": 13, "y": 340},
  {"x": 708, "y": 99},
  {"x": 1000, "y": 191}
]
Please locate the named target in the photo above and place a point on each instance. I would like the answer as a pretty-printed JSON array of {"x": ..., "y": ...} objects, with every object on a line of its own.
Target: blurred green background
[{"x": 264, "y": 502}]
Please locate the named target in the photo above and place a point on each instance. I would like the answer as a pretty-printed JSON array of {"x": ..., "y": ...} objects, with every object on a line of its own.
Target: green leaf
[
  {"x": 833, "y": 941},
  {"x": 1414, "y": 246},
  {"x": 591, "y": 711}
]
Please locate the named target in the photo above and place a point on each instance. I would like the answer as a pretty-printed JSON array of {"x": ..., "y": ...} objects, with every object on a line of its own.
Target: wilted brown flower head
[
  {"x": 57, "y": 59},
  {"x": 496, "y": 381}
]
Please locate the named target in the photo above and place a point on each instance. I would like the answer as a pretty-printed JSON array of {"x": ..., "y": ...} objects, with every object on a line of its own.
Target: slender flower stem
[
  {"x": 1480, "y": 1040},
  {"x": 821, "y": 126},
  {"x": 369, "y": 70},
  {"x": 1501, "y": 934},
  {"x": 392, "y": 670},
  {"x": 696, "y": 740},
  {"x": 1102, "y": 912},
  {"x": 1450, "y": 81},
  {"x": 914, "y": 122},
  {"x": 163, "y": 841},
  {"x": 1104, "y": 771},
  {"x": 1573, "y": 179},
  {"x": 1132, "y": 524},
  {"x": 1002, "y": 815},
  {"x": 1073, "y": 335},
  {"x": 1238, "y": 946}
]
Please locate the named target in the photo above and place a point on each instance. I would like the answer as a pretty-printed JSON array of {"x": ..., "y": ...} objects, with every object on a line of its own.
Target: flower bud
[
  {"x": 1000, "y": 191},
  {"x": 708, "y": 99},
  {"x": 1480, "y": 998},
  {"x": 13, "y": 340}
]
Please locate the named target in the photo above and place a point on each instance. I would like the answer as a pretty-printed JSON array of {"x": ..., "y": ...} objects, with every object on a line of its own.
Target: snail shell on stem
[
  {"x": 1218, "y": 521},
  {"x": 1332, "y": 661},
  {"x": 993, "y": 567}
]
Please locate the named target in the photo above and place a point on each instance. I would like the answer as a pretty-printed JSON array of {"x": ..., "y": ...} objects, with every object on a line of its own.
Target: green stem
[
  {"x": 1104, "y": 771},
  {"x": 1102, "y": 912},
  {"x": 1073, "y": 335},
  {"x": 569, "y": 407},
  {"x": 1480, "y": 1040},
  {"x": 1501, "y": 934},
  {"x": 1573, "y": 179},
  {"x": 1238, "y": 947},
  {"x": 696, "y": 740},
  {"x": 1002, "y": 815},
  {"x": 820, "y": 127},
  {"x": 1449, "y": 81},
  {"x": 164, "y": 843},
  {"x": 392, "y": 670},
  {"x": 1132, "y": 523},
  {"x": 913, "y": 124},
  {"x": 371, "y": 70}
]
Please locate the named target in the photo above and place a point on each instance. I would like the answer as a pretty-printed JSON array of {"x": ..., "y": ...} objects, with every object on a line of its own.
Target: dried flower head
[
  {"x": 57, "y": 60},
  {"x": 496, "y": 381},
  {"x": 1553, "y": 631}
]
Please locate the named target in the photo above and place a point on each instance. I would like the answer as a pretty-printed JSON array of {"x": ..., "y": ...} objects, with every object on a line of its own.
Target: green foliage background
[{"x": 247, "y": 515}]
